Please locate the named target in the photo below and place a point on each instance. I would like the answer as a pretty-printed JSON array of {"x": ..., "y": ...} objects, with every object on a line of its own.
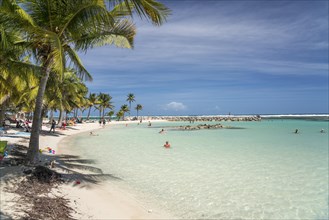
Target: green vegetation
[
  {"x": 39, "y": 41},
  {"x": 3, "y": 145}
]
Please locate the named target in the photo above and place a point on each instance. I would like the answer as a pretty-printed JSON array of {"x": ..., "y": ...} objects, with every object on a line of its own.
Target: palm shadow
[
  {"x": 76, "y": 168},
  {"x": 71, "y": 167}
]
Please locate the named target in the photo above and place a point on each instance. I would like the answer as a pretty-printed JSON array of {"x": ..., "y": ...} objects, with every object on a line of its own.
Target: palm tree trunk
[
  {"x": 60, "y": 117},
  {"x": 4, "y": 99},
  {"x": 103, "y": 113},
  {"x": 33, "y": 151},
  {"x": 51, "y": 116},
  {"x": 129, "y": 108},
  {"x": 2, "y": 112},
  {"x": 89, "y": 113}
]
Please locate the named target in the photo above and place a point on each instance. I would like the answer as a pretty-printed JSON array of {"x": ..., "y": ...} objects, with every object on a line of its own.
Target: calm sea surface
[{"x": 263, "y": 170}]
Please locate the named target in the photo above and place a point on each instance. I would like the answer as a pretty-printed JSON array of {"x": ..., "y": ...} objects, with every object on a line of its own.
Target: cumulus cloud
[{"x": 176, "y": 106}]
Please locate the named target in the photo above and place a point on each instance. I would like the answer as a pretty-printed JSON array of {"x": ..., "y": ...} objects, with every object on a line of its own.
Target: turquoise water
[{"x": 261, "y": 171}]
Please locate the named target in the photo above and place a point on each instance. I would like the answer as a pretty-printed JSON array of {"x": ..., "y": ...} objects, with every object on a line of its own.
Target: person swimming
[
  {"x": 167, "y": 145},
  {"x": 162, "y": 131},
  {"x": 296, "y": 131}
]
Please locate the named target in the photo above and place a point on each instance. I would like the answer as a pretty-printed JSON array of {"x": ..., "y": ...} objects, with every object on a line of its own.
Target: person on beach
[
  {"x": 27, "y": 126},
  {"x": 167, "y": 145},
  {"x": 63, "y": 125},
  {"x": 53, "y": 125},
  {"x": 92, "y": 134}
]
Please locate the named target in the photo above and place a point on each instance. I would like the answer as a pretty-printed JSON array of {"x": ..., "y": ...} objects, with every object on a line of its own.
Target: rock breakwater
[{"x": 206, "y": 118}]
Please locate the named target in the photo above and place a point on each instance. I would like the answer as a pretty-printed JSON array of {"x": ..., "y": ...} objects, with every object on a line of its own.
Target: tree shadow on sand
[
  {"x": 38, "y": 181},
  {"x": 74, "y": 167},
  {"x": 70, "y": 166}
]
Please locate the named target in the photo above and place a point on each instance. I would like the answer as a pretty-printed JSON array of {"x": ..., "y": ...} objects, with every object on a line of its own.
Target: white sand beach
[{"x": 90, "y": 200}]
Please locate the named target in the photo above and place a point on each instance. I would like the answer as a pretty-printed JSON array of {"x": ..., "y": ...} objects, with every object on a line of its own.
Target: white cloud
[{"x": 176, "y": 106}]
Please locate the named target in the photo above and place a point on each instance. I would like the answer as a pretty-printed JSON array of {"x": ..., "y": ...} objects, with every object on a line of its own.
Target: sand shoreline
[{"x": 95, "y": 199}]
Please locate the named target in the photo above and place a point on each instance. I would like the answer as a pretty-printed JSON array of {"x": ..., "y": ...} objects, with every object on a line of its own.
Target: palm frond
[
  {"x": 77, "y": 63},
  {"x": 90, "y": 13},
  {"x": 152, "y": 10},
  {"x": 121, "y": 35},
  {"x": 12, "y": 16}
]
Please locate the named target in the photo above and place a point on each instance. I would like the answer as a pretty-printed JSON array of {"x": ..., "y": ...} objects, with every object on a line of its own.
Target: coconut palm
[
  {"x": 138, "y": 108},
  {"x": 130, "y": 99},
  {"x": 57, "y": 29},
  {"x": 120, "y": 114},
  {"x": 104, "y": 102},
  {"x": 17, "y": 78},
  {"x": 124, "y": 108},
  {"x": 110, "y": 114}
]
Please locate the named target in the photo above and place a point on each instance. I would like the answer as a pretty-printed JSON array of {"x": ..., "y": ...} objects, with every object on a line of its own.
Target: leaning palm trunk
[
  {"x": 2, "y": 112},
  {"x": 4, "y": 99},
  {"x": 60, "y": 117},
  {"x": 88, "y": 113},
  {"x": 51, "y": 115},
  {"x": 33, "y": 151}
]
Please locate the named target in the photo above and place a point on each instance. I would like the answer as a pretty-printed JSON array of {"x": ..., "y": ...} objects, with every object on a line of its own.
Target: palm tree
[
  {"x": 55, "y": 30},
  {"x": 138, "y": 108},
  {"x": 104, "y": 102},
  {"x": 17, "y": 79},
  {"x": 120, "y": 114},
  {"x": 110, "y": 114},
  {"x": 92, "y": 101},
  {"x": 124, "y": 108},
  {"x": 130, "y": 99}
]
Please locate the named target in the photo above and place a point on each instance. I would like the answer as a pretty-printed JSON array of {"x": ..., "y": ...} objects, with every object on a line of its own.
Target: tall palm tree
[
  {"x": 138, "y": 108},
  {"x": 57, "y": 29},
  {"x": 130, "y": 99},
  {"x": 120, "y": 114},
  {"x": 104, "y": 102},
  {"x": 110, "y": 114},
  {"x": 124, "y": 108}
]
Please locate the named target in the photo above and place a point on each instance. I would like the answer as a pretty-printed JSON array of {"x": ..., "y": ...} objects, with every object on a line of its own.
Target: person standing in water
[{"x": 167, "y": 145}]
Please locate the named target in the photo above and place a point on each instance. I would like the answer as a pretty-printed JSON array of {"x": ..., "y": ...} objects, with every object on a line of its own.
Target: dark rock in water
[{"x": 200, "y": 126}]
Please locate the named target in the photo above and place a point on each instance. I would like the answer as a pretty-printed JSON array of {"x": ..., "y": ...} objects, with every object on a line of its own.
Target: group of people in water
[{"x": 321, "y": 131}]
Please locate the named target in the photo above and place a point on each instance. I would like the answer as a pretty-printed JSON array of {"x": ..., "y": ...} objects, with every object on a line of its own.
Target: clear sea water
[{"x": 261, "y": 171}]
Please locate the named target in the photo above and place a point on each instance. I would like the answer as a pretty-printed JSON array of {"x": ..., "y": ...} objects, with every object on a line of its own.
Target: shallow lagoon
[{"x": 263, "y": 171}]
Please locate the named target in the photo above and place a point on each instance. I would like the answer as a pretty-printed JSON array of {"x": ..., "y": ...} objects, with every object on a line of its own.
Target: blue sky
[{"x": 216, "y": 57}]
